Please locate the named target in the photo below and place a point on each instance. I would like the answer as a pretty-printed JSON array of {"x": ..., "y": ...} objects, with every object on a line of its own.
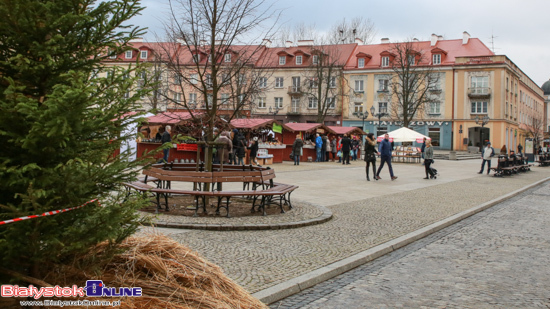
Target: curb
[
  {"x": 298, "y": 284},
  {"x": 326, "y": 216}
]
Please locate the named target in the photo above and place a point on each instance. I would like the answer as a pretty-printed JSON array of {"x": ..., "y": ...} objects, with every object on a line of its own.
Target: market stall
[
  {"x": 269, "y": 133},
  {"x": 353, "y": 132},
  {"x": 307, "y": 131},
  {"x": 151, "y": 141}
]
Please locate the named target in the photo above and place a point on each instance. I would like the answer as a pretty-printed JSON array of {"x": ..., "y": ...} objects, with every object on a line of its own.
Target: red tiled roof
[
  {"x": 452, "y": 48},
  {"x": 168, "y": 118},
  {"x": 271, "y": 59},
  {"x": 346, "y": 130},
  {"x": 251, "y": 123}
]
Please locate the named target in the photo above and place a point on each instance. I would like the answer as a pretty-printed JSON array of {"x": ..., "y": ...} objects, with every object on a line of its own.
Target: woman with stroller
[
  {"x": 370, "y": 154},
  {"x": 428, "y": 158}
]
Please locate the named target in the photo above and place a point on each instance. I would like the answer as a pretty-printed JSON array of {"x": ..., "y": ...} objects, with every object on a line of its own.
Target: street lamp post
[
  {"x": 274, "y": 111},
  {"x": 379, "y": 115},
  {"x": 363, "y": 116},
  {"x": 482, "y": 121}
]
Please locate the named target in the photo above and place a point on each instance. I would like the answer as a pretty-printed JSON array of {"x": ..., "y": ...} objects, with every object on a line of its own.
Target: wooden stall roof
[
  {"x": 168, "y": 118},
  {"x": 304, "y": 127},
  {"x": 345, "y": 130},
  {"x": 252, "y": 123}
]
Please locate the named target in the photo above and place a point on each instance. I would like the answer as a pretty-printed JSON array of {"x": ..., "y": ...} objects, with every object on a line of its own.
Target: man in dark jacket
[
  {"x": 346, "y": 147},
  {"x": 166, "y": 138},
  {"x": 385, "y": 150}
]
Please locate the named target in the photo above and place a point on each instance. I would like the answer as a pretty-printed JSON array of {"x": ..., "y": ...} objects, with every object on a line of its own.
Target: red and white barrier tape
[{"x": 49, "y": 213}]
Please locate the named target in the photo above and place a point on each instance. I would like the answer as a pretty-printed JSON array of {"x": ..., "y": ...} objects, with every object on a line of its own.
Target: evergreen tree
[{"x": 61, "y": 120}]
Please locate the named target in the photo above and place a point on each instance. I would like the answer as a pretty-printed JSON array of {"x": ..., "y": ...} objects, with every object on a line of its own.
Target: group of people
[
  {"x": 233, "y": 145},
  {"x": 337, "y": 147},
  {"x": 384, "y": 150}
]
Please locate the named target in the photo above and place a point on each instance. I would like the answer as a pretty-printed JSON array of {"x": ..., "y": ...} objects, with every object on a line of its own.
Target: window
[
  {"x": 361, "y": 62},
  {"x": 127, "y": 95},
  {"x": 385, "y": 61},
  {"x": 296, "y": 84},
  {"x": 209, "y": 100},
  {"x": 143, "y": 54},
  {"x": 381, "y": 131},
  {"x": 241, "y": 98},
  {"x": 435, "y": 108},
  {"x": 112, "y": 55},
  {"x": 196, "y": 58},
  {"x": 242, "y": 79},
  {"x": 358, "y": 86},
  {"x": 434, "y": 134},
  {"x": 298, "y": 60},
  {"x": 479, "y": 107},
  {"x": 278, "y": 102},
  {"x": 357, "y": 107},
  {"x": 128, "y": 54},
  {"x": 261, "y": 103},
  {"x": 295, "y": 105},
  {"x": 312, "y": 102},
  {"x": 279, "y": 82},
  {"x": 225, "y": 98},
  {"x": 194, "y": 79},
  {"x": 208, "y": 80},
  {"x": 332, "y": 82},
  {"x": 480, "y": 84},
  {"x": 313, "y": 83},
  {"x": 315, "y": 59},
  {"x": 383, "y": 107},
  {"x": 411, "y": 59},
  {"x": 263, "y": 82},
  {"x": 177, "y": 79},
  {"x": 177, "y": 97},
  {"x": 210, "y": 58},
  {"x": 436, "y": 59},
  {"x": 227, "y": 58},
  {"x": 282, "y": 60},
  {"x": 383, "y": 84},
  {"x": 331, "y": 102}
]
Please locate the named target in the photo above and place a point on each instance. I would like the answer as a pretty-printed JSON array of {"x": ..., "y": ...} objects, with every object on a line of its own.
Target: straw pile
[{"x": 172, "y": 276}]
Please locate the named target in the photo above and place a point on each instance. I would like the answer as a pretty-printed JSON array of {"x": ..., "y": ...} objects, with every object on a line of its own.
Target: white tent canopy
[{"x": 405, "y": 135}]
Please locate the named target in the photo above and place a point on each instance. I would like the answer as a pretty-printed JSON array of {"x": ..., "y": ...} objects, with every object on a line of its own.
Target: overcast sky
[{"x": 520, "y": 28}]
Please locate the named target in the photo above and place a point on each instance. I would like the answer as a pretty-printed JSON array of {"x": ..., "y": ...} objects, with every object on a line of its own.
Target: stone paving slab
[{"x": 366, "y": 214}]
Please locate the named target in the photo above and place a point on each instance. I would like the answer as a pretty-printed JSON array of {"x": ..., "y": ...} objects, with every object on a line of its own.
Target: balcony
[
  {"x": 295, "y": 90},
  {"x": 479, "y": 92}
]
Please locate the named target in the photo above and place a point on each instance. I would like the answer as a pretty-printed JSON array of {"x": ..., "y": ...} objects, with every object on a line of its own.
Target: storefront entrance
[{"x": 478, "y": 136}]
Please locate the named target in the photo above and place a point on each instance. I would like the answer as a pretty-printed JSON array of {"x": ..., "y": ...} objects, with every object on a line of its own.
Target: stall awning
[
  {"x": 346, "y": 130},
  {"x": 304, "y": 127},
  {"x": 168, "y": 118},
  {"x": 252, "y": 123}
]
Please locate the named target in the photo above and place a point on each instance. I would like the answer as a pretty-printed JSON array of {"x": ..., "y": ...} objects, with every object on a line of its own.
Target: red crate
[{"x": 187, "y": 147}]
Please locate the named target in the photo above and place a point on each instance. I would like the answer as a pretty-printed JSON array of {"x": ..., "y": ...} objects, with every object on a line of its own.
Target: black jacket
[{"x": 346, "y": 144}]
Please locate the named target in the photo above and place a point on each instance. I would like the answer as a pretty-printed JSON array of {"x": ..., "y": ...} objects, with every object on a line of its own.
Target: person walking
[
  {"x": 428, "y": 157},
  {"x": 165, "y": 138},
  {"x": 370, "y": 154},
  {"x": 297, "y": 149},
  {"x": 354, "y": 148},
  {"x": 422, "y": 149},
  {"x": 385, "y": 149},
  {"x": 254, "y": 151},
  {"x": 318, "y": 147},
  {"x": 324, "y": 148},
  {"x": 346, "y": 147},
  {"x": 486, "y": 154},
  {"x": 333, "y": 148}
]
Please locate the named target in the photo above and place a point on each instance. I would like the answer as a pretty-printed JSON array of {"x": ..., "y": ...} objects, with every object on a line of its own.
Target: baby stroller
[{"x": 432, "y": 171}]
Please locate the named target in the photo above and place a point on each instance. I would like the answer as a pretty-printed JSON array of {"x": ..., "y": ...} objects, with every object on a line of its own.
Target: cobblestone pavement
[
  {"x": 369, "y": 214},
  {"x": 497, "y": 258}
]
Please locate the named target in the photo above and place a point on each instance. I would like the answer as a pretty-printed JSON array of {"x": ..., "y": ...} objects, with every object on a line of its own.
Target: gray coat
[{"x": 429, "y": 153}]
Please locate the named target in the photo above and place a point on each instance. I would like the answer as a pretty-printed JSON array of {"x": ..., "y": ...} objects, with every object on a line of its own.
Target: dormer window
[
  {"x": 227, "y": 58},
  {"x": 411, "y": 59},
  {"x": 361, "y": 62},
  {"x": 315, "y": 59},
  {"x": 298, "y": 60},
  {"x": 282, "y": 60},
  {"x": 128, "y": 54},
  {"x": 436, "y": 59},
  {"x": 385, "y": 61},
  {"x": 196, "y": 58},
  {"x": 143, "y": 54}
]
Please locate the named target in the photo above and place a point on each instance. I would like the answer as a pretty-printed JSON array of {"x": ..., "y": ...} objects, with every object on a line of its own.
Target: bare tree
[
  {"x": 211, "y": 62},
  {"x": 535, "y": 129},
  {"x": 346, "y": 31},
  {"x": 412, "y": 82},
  {"x": 153, "y": 77},
  {"x": 323, "y": 78}
]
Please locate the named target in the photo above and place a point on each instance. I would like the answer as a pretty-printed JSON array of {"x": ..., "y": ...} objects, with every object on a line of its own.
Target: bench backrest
[{"x": 240, "y": 176}]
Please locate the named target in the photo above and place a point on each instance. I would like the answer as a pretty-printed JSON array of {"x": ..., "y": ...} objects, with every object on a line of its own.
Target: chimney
[
  {"x": 385, "y": 40},
  {"x": 288, "y": 44},
  {"x": 465, "y": 38},
  {"x": 415, "y": 40},
  {"x": 202, "y": 42},
  {"x": 440, "y": 38},
  {"x": 305, "y": 42},
  {"x": 359, "y": 41},
  {"x": 434, "y": 39},
  {"x": 266, "y": 43}
]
